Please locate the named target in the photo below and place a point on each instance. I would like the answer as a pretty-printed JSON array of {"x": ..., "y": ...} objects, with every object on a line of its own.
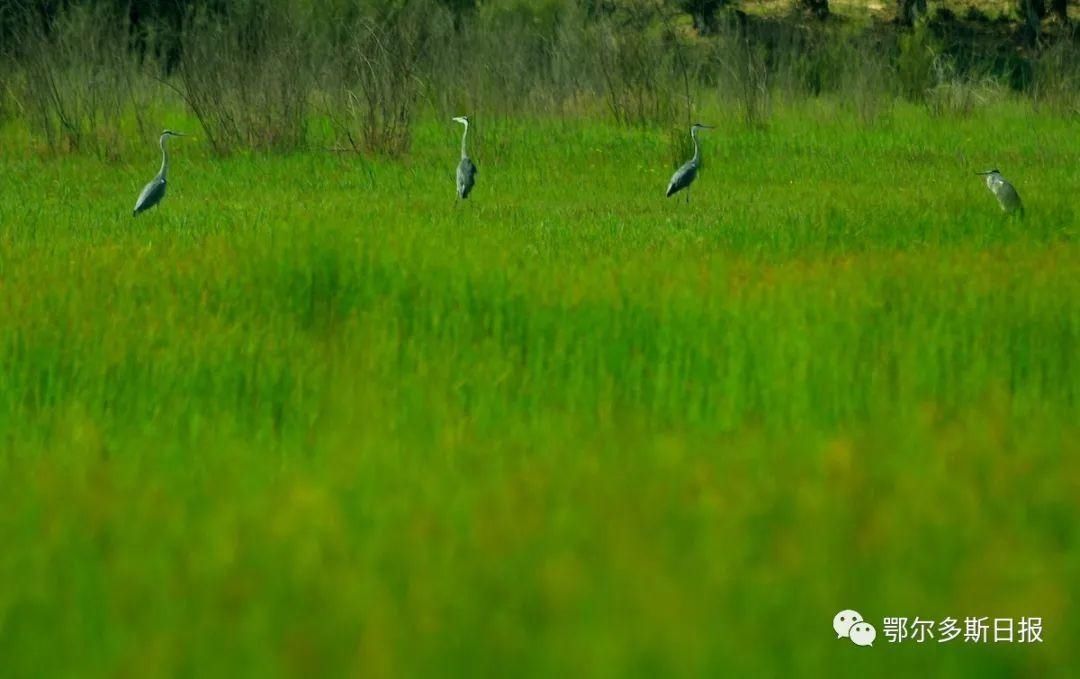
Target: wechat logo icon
[{"x": 849, "y": 624}]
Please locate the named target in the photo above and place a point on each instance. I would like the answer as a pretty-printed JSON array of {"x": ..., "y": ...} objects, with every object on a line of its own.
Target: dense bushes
[
  {"x": 246, "y": 73},
  {"x": 269, "y": 74}
]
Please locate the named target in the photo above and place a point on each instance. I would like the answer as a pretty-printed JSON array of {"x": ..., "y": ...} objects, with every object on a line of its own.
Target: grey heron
[
  {"x": 1006, "y": 195},
  {"x": 685, "y": 175},
  {"x": 154, "y": 191},
  {"x": 466, "y": 169}
]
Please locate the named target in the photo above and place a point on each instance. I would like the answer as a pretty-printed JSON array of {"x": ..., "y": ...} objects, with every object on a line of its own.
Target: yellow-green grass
[{"x": 310, "y": 417}]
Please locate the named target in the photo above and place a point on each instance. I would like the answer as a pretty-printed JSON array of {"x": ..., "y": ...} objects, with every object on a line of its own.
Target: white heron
[
  {"x": 685, "y": 175},
  {"x": 154, "y": 191},
  {"x": 466, "y": 169},
  {"x": 1006, "y": 195}
]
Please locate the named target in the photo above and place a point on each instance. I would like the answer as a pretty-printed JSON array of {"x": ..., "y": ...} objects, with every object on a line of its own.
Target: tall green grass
[{"x": 310, "y": 416}]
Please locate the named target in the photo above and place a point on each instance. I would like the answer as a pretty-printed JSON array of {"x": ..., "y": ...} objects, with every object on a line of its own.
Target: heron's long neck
[
  {"x": 164, "y": 159},
  {"x": 697, "y": 151},
  {"x": 463, "y": 136}
]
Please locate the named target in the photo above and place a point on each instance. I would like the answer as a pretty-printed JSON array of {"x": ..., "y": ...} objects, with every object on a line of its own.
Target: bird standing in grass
[
  {"x": 154, "y": 191},
  {"x": 685, "y": 175},
  {"x": 1006, "y": 195},
  {"x": 466, "y": 169}
]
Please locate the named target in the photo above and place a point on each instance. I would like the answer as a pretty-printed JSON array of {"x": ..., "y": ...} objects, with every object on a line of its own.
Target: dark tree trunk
[
  {"x": 703, "y": 12},
  {"x": 1061, "y": 8},
  {"x": 1032, "y": 12},
  {"x": 819, "y": 8},
  {"x": 907, "y": 11}
]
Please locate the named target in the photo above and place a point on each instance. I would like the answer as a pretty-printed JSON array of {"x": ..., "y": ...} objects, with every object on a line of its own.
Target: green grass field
[{"x": 308, "y": 417}]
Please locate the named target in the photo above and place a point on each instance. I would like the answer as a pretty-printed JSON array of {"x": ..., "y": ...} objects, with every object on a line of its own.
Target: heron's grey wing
[
  {"x": 151, "y": 195},
  {"x": 1008, "y": 197},
  {"x": 466, "y": 177},
  {"x": 682, "y": 178}
]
